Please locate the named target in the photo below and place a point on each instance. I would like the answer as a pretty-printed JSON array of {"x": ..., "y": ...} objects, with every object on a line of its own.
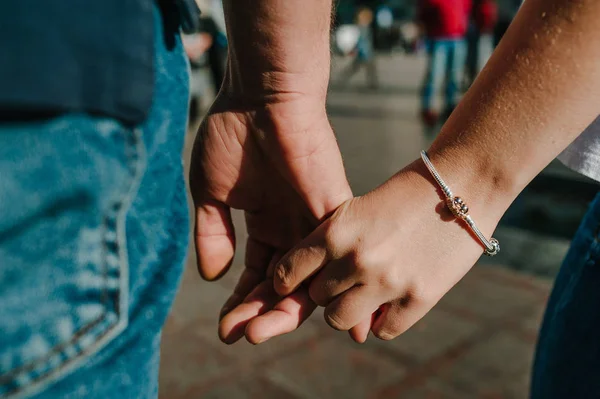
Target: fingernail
[
  {"x": 261, "y": 341},
  {"x": 385, "y": 336}
]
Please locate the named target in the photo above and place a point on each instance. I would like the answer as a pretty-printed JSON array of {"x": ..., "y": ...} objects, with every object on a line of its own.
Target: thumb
[
  {"x": 302, "y": 262},
  {"x": 214, "y": 239}
]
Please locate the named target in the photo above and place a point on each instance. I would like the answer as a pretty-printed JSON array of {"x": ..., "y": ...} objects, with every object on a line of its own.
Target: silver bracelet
[{"x": 460, "y": 210}]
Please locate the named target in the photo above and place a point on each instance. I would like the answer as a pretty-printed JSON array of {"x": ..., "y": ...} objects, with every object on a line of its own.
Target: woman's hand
[{"x": 397, "y": 249}]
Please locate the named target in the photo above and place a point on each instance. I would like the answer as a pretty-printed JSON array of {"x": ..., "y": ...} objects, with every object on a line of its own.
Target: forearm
[
  {"x": 539, "y": 91},
  {"x": 278, "y": 47}
]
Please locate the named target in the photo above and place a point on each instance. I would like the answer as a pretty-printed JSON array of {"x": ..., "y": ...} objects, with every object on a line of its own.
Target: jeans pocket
[{"x": 66, "y": 185}]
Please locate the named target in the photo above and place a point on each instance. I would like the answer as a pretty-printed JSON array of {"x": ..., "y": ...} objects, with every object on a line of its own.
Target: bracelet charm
[{"x": 460, "y": 210}]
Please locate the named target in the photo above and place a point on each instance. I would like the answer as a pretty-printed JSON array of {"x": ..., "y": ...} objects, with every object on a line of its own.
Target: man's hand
[
  {"x": 267, "y": 147},
  {"x": 278, "y": 161}
]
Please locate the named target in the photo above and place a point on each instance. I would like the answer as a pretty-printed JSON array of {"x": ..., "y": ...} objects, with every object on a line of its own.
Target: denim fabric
[
  {"x": 446, "y": 63},
  {"x": 93, "y": 234},
  {"x": 485, "y": 48},
  {"x": 567, "y": 361},
  {"x": 480, "y": 49}
]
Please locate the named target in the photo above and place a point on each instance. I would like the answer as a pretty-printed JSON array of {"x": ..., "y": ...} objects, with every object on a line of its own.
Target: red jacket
[
  {"x": 444, "y": 18},
  {"x": 486, "y": 15}
]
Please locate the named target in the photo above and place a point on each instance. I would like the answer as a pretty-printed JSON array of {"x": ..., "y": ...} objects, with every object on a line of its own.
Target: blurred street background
[{"x": 478, "y": 343}]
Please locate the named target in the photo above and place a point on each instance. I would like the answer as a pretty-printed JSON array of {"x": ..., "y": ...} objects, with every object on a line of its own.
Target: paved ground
[{"x": 477, "y": 343}]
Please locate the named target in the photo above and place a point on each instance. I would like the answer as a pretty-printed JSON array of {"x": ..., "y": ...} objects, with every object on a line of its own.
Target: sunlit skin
[
  {"x": 397, "y": 249},
  {"x": 267, "y": 147}
]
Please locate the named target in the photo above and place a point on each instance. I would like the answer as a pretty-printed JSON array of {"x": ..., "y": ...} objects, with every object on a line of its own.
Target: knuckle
[
  {"x": 337, "y": 236},
  {"x": 390, "y": 281},
  {"x": 335, "y": 321},
  {"x": 418, "y": 293},
  {"x": 332, "y": 236},
  {"x": 306, "y": 254},
  {"x": 284, "y": 275},
  {"x": 364, "y": 260},
  {"x": 359, "y": 261}
]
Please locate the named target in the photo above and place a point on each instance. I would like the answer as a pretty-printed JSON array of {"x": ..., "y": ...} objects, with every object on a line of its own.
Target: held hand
[
  {"x": 397, "y": 249},
  {"x": 279, "y": 162}
]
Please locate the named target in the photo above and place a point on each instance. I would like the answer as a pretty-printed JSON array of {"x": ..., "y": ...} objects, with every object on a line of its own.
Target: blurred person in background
[
  {"x": 386, "y": 36},
  {"x": 480, "y": 37},
  {"x": 444, "y": 25},
  {"x": 217, "y": 51},
  {"x": 206, "y": 48},
  {"x": 364, "y": 54},
  {"x": 383, "y": 25},
  {"x": 196, "y": 45}
]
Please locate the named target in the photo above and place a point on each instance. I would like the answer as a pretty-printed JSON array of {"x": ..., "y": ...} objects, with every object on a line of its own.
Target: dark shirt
[{"x": 77, "y": 55}]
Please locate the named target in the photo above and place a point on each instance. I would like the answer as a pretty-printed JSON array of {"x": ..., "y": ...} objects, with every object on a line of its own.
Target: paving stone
[
  {"x": 171, "y": 327},
  {"x": 334, "y": 369},
  {"x": 479, "y": 296},
  {"x": 519, "y": 386},
  {"x": 318, "y": 319},
  {"x": 246, "y": 356},
  {"x": 198, "y": 300},
  {"x": 498, "y": 272},
  {"x": 432, "y": 389},
  {"x": 186, "y": 363},
  {"x": 531, "y": 324},
  {"x": 433, "y": 335},
  {"x": 252, "y": 387},
  {"x": 497, "y": 367},
  {"x": 529, "y": 251}
]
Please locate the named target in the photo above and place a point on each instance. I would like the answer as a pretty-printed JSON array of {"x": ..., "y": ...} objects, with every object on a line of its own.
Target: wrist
[
  {"x": 414, "y": 196},
  {"x": 486, "y": 201},
  {"x": 283, "y": 108},
  {"x": 279, "y": 47},
  {"x": 485, "y": 186},
  {"x": 274, "y": 85}
]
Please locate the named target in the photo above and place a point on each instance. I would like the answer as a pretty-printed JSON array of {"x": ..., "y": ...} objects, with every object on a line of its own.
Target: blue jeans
[
  {"x": 447, "y": 59},
  {"x": 485, "y": 48},
  {"x": 93, "y": 235},
  {"x": 567, "y": 361},
  {"x": 480, "y": 49}
]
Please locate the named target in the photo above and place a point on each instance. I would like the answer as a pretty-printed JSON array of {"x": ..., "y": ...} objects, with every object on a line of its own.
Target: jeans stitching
[{"x": 131, "y": 152}]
